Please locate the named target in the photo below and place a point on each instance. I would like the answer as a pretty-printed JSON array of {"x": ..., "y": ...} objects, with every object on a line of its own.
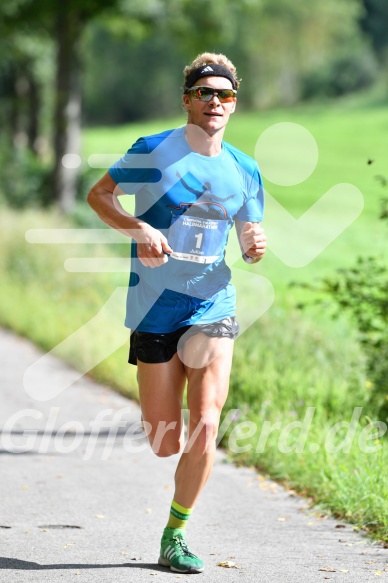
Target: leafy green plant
[
  {"x": 25, "y": 179},
  {"x": 361, "y": 291}
]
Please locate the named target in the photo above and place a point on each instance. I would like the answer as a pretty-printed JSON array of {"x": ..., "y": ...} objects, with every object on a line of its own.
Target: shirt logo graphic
[{"x": 207, "y": 198}]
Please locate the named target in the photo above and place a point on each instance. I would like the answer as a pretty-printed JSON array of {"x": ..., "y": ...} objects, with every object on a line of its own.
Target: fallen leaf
[
  {"x": 378, "y": 573},
  {"x": 25, "y": 487},
  {"x": 282, "y": 519},
  {"x": 227, "y": 565},
  {"x": 340, "y": 526},
  {"x": 344, "y": 571},
  {"x": 328, "y": 569},
  {"x": 148, "y": 510},
  {"x": 124, "y": 553},
  {"x": 99, "y": 516},
  {"x": 43, "y": 530}
]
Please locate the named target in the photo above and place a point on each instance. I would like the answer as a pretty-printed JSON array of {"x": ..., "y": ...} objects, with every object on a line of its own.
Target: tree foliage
[
  {"x": 122, "y": 60},
  {"x": 374, "y": 22},
  {"x": 65, "y": 21}
]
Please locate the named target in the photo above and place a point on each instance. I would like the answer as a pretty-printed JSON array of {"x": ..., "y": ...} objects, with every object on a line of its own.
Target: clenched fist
[{"x": 253, "y": 240}]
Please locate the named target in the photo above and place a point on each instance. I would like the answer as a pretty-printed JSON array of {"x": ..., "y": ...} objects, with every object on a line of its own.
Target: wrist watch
[{"x": 248, "y": 259}]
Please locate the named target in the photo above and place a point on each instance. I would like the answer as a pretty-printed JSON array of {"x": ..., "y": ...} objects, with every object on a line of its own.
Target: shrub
[
  {"x": 361, "y": 292},
  {"x": 25, "y": 179}
]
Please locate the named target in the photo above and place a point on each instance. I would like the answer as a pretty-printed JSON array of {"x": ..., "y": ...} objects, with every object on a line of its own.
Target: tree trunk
[
  {"x": 18, "y": 88},
  {"x": 34, "y": 107},
  {"x": 14, "y": 112},
  {"x": 67, "y": 114}
]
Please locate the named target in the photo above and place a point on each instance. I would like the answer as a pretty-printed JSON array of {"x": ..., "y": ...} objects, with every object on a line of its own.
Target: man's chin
[{"x": 213, "y": 128}]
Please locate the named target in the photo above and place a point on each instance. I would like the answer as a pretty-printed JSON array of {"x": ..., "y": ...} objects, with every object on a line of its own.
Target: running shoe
[{"x": 175, "y": 554}]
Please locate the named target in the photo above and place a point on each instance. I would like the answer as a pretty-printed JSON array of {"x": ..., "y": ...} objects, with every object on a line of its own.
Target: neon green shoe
[{"x": 175, "y": 554}]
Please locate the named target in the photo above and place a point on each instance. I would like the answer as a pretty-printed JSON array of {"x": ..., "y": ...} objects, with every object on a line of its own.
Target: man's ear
[
  {"x": 186, "y": 102},
  {"x": 233, "y": 108}
]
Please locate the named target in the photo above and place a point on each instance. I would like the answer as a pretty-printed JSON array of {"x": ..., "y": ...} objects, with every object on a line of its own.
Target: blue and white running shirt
[{"x": 193, "y": 200}]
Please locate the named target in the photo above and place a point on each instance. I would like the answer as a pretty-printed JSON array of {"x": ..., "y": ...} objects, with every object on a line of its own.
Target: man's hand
[
  {"x": 152, "y": 246},
  {"x": 253, "y": 241}
]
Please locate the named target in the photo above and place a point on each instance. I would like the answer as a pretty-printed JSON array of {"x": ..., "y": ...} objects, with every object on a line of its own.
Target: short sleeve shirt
[{"x": 181, "y": 192}]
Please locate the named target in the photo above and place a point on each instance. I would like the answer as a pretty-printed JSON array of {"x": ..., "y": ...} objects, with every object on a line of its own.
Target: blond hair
[{"x": 208, "y": 59}]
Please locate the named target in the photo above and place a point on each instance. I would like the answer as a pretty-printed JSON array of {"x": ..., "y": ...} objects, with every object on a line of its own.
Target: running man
[{"x": 181, "y": 304}]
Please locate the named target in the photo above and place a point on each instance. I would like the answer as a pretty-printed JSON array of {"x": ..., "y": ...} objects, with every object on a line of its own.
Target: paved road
[{"x": 81, "y": 504}]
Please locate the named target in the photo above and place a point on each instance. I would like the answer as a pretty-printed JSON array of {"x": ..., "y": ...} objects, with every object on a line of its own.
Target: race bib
[{"x": 196, "y": 239}]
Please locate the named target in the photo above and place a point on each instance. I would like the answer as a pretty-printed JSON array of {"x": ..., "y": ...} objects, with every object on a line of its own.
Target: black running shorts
[{"x": 156, "y": 348}]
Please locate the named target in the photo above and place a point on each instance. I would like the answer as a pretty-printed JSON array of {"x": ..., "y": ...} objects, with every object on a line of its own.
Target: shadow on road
[{"x": 19, "y": 565}]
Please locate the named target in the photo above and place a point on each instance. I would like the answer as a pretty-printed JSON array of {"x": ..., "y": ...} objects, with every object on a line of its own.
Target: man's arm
[
  {"x": 152, "y": 244},
  {"x": 252, "y": 239}
]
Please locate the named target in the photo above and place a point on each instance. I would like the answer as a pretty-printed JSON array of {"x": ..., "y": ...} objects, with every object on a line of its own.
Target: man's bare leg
[
  {"x": 207, "y": 369},
  {"x": 206, "y": 395},
  {"x": 161, "y": 389}
]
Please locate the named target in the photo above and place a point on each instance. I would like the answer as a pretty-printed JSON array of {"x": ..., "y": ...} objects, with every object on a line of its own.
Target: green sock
[{"x": 179, "y": 515}]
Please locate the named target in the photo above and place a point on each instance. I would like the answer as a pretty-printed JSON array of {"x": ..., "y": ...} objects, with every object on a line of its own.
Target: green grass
[
  {"x": 287, "y": 361},
  {"x": 303, "y": 366},
  {"x": 43, "y": 301}
]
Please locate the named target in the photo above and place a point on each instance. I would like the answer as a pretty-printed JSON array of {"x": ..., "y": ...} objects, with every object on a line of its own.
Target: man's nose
[{"x": 214, "y": 97}]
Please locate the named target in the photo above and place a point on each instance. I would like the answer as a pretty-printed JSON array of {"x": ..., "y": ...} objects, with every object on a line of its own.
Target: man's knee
[
  {"x": 166, "y": 448},
  {"x": 203, "y": 430},
  {"x": 166, "y": 438}
]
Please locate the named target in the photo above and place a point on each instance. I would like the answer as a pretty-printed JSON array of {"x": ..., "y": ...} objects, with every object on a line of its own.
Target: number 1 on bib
[{"x": 198, "y": 236}]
